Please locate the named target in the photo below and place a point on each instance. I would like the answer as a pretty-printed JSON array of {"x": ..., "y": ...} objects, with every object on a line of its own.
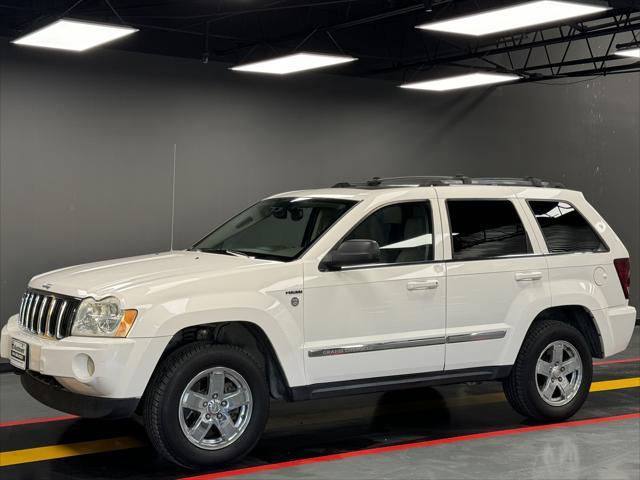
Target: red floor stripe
[
  {"x": 68, "y": 417},
  {"x": 619, "y": 360},
  {"x": 31, "y": 421},
  {"x": 410, "y": 446}
]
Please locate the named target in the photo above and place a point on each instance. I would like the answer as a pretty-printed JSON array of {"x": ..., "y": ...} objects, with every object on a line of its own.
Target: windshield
[{"x": 276, "y": 229}]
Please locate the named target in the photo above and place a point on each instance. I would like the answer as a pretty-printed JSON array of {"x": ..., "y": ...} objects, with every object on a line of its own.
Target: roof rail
[{"x": 433, "y": 181}]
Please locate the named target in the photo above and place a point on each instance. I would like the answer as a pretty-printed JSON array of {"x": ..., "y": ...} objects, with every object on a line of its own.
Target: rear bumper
[
  {"x": 46, "y": 390},
  {"x": 616, "y": 326}
]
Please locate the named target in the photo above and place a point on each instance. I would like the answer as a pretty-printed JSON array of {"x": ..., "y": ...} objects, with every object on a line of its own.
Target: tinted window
[
  {"x": 486, "y": 229},
  {"x": 403, "y": 232},
  {"x": 564, "y": 228},
  {"x": 277, "y": 228}
]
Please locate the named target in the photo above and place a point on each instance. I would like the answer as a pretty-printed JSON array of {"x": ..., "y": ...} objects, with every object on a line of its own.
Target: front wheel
[
  {"x": 207, "y": 405},
  {"x": 551, "y": 377}
]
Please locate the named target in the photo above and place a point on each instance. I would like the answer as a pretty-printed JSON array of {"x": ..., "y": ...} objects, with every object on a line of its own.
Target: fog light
[
  {"x": 83, "y": 366},
  {"x": 91, "y": 367}
]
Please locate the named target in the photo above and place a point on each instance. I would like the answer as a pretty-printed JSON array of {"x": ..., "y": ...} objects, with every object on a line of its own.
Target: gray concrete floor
[
  {"x": 16, "y": 404},
  {"x": 605, "y": 451},
  {"x": 309, "y": 429}
]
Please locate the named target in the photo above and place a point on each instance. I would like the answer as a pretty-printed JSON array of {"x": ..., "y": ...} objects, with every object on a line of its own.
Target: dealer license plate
[{"x": 19, "y": 356}]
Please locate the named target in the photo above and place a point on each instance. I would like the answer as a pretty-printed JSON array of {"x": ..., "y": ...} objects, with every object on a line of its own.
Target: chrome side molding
[
  {"x": 373, "y": 347},
  {"x": 420, "y": 342},
  {"x": 476, "y": 336}
]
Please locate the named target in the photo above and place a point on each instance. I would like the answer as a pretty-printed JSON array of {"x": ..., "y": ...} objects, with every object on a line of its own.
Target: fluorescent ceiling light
[
  {"x": 462, "y": 81},
  {"x": 74, "y": 35},
  {"x": 629, "y": 52},
  {"x": 293, "y": 63},
  {"x": 515, "y": 17}
]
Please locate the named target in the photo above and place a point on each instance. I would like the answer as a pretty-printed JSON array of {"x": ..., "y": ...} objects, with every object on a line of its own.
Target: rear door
[{"x": 496, "y": 274}]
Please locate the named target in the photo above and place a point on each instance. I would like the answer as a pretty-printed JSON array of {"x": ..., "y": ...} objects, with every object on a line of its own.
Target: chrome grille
[{"x": 47, "y": 314}]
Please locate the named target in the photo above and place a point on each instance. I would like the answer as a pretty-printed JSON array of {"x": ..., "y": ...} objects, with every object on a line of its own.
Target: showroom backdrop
[{"x": 87, "y": 141}]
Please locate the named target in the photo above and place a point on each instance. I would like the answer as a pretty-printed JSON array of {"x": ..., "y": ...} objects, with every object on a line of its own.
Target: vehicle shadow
[
  {"x": 295, "y": 431},
  {"x": 416, "y": 408}
]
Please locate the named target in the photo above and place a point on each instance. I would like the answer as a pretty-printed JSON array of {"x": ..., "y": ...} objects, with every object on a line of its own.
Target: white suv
[{"x": 387, "y": 284}]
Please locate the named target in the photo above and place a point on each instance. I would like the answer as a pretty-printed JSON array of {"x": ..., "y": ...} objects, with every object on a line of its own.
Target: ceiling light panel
[
  {"x": 514, "y": 17},
  {"x": 462, "y": 81},
  {"x": 74, "y": 35},
  {"x": 293, "y": 63},
  {"x": 629, "y": 52}
]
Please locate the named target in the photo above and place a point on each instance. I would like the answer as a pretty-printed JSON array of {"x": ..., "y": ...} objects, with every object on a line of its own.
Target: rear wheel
[
  {"x": 552, "y": 374},
  {"x": 207, "y": 405}
]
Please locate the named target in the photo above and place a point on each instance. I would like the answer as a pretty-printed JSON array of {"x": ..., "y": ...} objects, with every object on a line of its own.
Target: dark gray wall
[{"x": 86, "y": 147}]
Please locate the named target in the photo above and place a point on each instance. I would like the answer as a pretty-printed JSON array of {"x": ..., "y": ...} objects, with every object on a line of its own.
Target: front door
[{"x": 380, "y": 319}]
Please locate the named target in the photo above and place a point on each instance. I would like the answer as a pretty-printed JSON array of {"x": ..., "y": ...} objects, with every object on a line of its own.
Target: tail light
[{"x": 623, "y": 267}]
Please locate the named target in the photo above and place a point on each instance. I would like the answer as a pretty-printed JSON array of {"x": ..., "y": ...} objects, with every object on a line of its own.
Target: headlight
[{"x": 102, "y": 318}]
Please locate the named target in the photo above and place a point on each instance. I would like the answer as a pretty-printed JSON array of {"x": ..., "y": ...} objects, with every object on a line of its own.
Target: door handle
[
  {"x": 528, "y": 276},
  {"x": 426, "y": 285}
]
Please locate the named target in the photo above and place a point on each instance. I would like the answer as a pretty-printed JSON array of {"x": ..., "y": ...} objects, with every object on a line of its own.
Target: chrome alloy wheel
[
  {"x": 559, "y": 373},
  {"x": 215, "y": 408}
]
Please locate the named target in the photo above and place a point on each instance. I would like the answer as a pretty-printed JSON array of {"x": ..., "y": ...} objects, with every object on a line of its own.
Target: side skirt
[{"x": 398, "y": 382}]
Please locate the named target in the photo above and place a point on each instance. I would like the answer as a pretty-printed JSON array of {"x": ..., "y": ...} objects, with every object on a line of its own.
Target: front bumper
[
  {"x": 115, "y": 368},
  {"x": 46, "y": 390}
]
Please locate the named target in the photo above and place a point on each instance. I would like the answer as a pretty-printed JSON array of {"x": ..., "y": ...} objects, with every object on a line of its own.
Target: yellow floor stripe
[
  {"x": 68, "y": 450},
  {"x": 615, "y": 384},
  {"x": 53, "y": 452}
]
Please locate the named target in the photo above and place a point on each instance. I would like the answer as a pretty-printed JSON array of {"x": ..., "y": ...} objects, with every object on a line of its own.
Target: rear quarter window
[{"x": 564, "y": 228}]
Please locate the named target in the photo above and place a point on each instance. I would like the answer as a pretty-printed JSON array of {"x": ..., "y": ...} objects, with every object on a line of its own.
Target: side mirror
[{"x": 352, "y": 252}]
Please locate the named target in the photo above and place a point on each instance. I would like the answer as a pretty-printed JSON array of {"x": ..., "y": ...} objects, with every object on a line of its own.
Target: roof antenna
[{"x": 173, "y": 193}]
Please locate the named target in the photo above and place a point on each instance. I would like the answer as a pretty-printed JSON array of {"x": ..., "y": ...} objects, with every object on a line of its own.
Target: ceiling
[{"x": 380, "y": 33}]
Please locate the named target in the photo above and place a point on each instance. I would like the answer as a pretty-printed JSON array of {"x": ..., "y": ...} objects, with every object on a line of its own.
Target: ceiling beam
[{"x": 514, "y": 47}]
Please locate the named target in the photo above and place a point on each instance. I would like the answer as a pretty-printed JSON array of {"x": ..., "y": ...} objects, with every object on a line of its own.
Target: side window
[
  {"x": 564, "y": 229},
  {"x": 486, "y": 229},
  {"x": 403, "y": 232}
]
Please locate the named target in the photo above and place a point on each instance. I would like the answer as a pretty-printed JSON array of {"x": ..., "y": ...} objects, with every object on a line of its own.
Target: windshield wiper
[
  {"x": 225, "y": 251},
  {"x": 238, "y": 253}
]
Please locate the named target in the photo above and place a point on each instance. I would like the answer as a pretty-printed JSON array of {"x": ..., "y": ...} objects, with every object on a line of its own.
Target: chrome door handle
[
  {"x": 528, "y": 276},
  {"x": 426, "y": 285}
]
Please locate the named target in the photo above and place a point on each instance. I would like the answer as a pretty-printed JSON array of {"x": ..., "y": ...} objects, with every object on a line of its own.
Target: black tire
[
  {"x": 161, "y": 418},
  {"x": 521, "y": 388}
]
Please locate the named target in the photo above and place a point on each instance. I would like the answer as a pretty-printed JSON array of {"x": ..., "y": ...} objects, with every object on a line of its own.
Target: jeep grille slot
[{"x": 47, "y": 314}]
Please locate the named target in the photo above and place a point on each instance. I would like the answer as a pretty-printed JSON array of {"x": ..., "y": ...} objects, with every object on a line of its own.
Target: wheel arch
[
  {"x": 243, "y": 334},
  {"x": 578, "y": 316}
]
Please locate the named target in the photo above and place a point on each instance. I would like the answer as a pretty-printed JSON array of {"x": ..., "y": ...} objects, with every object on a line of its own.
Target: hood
[{"x": 118, "y": 277}]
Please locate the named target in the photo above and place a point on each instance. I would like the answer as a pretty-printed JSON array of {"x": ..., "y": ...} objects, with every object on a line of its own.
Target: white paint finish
[
  {"x": 485, "y": 295},
  {"x": 600, "y": 276},
  {"x": 572, "y": 276},
  {"x": 370, "y": 305},
  {"x": 376, "y": 304},
  {"x": 135, "y": 278},
  {"x": 616, "y": 328},
  {"x": 356, "y": 306},
  {"x": 122, "y": 366},
  {"x": 571, "y": 281},
  {"x": 175, "y": 290}
]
